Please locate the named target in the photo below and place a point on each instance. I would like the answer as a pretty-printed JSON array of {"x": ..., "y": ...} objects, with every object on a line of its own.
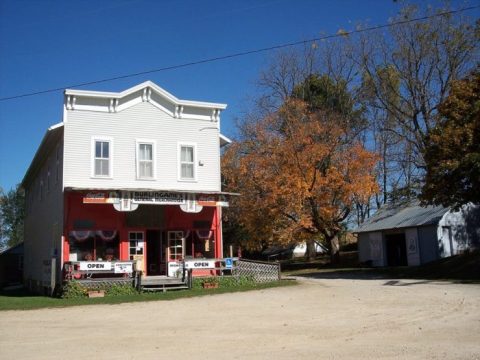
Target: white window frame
[
  {"x": 110, "y": 157},
  {"x": 179, "y": 161},
  {"x": 137, "y": 241},
  {"x": 173, "y": 237},
  {"x": 139, "y": 142}
]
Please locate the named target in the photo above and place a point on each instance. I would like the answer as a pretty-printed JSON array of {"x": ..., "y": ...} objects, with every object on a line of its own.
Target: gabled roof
[
  {"x": 403, "y": 215},
  {"x": 49, "y": 141},
  {"x": 224, "y": 140},
  {"x": 14, "y": 250},
  {"x": 145, "y": 85}
]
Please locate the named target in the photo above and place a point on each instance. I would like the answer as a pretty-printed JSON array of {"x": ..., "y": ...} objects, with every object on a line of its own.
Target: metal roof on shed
[{"x": 401, "y": 216}]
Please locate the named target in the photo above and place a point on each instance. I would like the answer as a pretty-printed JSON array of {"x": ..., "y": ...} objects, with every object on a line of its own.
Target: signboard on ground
[
  {"x": 123, "y": 268},
  {"x": 174, "y": 269}
]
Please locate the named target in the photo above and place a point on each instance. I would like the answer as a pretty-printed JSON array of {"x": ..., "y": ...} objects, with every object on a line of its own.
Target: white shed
[{"x": 410, "y": 234}]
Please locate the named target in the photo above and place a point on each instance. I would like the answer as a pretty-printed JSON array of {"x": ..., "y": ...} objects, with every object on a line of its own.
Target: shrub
[
  {"x": 74, "y": 290},
  {"x": 120, "y": 289},
  {"x": 225, "y": 281}
]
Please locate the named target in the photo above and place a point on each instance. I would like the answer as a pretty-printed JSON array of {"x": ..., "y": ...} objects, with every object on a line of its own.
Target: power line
[{"x": 243, "y": 53}]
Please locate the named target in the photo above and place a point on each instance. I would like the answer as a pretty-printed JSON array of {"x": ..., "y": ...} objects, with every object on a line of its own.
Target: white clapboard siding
[
  {"x": 141, "y": 121},
  {"x": 43, "y": 219}
]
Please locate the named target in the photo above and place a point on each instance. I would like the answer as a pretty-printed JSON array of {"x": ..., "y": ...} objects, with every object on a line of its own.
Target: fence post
[{"x": 190, "y": 278}]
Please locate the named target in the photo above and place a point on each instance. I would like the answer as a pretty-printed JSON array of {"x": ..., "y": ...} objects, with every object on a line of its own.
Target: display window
[
  {"x": 94, "y": 245},
  {"x": 200, "y": 243}
]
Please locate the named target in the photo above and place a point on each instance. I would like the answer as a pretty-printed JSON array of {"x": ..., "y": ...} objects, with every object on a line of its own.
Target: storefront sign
[
  {"x": 200, "y": 264},
  {"x": 95, "y": 266},
  {"x": 101, "y": 197},
  {"x": 207, "y": 200},
  {"x": 160, "y": 198},
  {"x": 212, "y": 200},
  {"x": 123, "y": 268},
  {"x": 129, "y": 200}
]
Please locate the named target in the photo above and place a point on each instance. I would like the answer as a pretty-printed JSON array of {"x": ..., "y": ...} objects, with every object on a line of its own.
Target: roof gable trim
[{"x": 144, "y": 92}]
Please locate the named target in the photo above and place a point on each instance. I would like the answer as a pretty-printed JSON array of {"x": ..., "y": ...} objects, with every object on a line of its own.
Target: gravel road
[{"x": 318, "y": 319}]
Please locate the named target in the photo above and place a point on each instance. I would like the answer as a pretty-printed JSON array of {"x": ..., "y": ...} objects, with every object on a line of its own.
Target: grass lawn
[
  {"x": 459, "y": 268},
  {"x": 21, "y": 300}
]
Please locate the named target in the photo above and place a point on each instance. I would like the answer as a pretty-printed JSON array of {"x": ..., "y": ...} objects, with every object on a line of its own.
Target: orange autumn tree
[{"x": 298, "y": 172}]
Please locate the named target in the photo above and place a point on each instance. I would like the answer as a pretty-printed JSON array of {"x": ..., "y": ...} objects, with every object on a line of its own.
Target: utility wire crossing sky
[
  {"x": 243, "y": 53},
  {"x": 211, "y": 50}
]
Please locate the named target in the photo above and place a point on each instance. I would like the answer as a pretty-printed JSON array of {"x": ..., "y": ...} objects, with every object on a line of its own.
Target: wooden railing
[{"x": 78, "y": 270}]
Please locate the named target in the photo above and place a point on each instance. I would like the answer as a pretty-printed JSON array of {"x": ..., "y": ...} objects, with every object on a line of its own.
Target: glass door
[{"x": 175, "y": 251}]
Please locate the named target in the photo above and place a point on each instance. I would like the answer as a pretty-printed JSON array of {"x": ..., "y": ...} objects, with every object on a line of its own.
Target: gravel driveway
[{"x": 319, "y": 319}]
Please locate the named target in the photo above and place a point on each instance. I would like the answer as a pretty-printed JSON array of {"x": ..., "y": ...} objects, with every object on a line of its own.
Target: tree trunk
[
  {"x": 334, "y": 250},
  {"x": 310, "y": 253}
]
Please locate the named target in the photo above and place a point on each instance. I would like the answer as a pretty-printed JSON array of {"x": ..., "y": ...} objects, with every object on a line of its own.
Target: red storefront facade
[{"x": 158, "y": 238}]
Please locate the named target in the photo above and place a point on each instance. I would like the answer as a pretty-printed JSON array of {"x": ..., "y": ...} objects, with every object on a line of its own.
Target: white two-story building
[{"x": 129, "y": 176}]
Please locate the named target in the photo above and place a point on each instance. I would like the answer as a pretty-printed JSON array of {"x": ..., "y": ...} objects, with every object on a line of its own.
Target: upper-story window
[
  {"x": 102, "y": 149},
  {"x": 145, "y": 159},
  {"x": 187, "y": 162}
]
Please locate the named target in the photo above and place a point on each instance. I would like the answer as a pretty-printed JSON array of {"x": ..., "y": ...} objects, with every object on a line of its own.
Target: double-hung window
[
  {"x": 145, "y": 159},
  {"x": 187, "y": 162},
  {"x": 102, "y": 157}
]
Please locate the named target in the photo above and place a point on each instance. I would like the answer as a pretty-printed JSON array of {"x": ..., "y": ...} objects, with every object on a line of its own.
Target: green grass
[
  {"x": 459, "y": 268},
  {"x": 21, "y": 300}
]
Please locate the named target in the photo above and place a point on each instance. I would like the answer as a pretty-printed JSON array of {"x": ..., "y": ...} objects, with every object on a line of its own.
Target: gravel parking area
[{"x": 320, "y": 318}]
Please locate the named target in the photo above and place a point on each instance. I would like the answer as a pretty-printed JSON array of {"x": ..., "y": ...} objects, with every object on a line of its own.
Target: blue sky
[{"x": 53, "y": 44}]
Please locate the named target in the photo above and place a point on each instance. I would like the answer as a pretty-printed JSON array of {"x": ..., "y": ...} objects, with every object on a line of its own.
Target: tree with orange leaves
[{"x": 299, "y": 172}]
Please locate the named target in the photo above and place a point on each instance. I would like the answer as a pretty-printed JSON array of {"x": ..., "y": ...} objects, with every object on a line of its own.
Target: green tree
[
  {"x": 452, "y": 154},
  {"x": 12, "y": 212},
  {"x": 321, "y": 92}
]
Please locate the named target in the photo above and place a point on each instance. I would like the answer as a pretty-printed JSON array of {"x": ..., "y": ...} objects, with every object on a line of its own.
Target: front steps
[{"x": 161, "y": 283}]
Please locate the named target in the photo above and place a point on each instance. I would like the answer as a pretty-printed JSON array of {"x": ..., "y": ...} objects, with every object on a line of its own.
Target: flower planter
[
  {"x": 210, "y": 285},
  {"x": 96, "y": 293}
]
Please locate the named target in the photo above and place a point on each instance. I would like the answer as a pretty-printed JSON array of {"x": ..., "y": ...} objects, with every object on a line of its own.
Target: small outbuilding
[
  {"x": 11, "y": 265},
  {"x": 409, "y": 234}
]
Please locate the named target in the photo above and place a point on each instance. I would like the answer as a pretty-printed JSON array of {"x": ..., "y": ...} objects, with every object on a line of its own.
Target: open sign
[
  {"x": 95, "y": 266},
  {"x": 200, "y": 264}
]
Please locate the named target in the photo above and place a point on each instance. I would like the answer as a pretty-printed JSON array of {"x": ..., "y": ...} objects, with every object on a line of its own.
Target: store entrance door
[{"x": 154, "y": 252}]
